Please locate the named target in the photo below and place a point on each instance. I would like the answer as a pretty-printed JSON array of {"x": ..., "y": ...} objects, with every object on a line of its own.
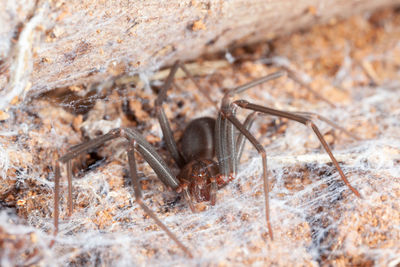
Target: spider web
[{"x": 315, "y": 218}]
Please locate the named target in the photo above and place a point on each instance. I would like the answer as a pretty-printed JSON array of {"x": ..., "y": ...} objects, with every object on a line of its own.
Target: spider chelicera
[{"x": 204, "y": 140}]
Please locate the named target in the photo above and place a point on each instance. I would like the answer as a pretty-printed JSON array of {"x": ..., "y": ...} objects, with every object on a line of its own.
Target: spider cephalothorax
[{"x": 199, "y": 175}]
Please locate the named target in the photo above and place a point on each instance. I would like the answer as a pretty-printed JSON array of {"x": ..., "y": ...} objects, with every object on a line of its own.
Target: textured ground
[{"x": 354, "y": 68}]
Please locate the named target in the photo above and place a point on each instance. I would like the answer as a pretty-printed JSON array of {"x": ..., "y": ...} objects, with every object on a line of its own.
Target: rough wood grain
[{"x": 49, "y": 44}]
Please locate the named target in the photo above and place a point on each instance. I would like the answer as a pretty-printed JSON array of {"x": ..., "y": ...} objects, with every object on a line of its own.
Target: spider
[{"x": 209, "y": 155}]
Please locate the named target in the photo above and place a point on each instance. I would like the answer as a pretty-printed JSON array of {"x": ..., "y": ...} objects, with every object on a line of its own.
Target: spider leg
[
  {"x": 221, "y": 146},
  {"x": 151, "y": 156},
  {"x": 72, "y": 153},
  {"x": 225, "y": 146},
  {"x": 69, "y": 179},
  {"x": 313, "y": 116},
  {"x": 148, "y": 152},
  {"x": 292, "y": 75},
  {"x": 260, "y": 149},
  {"x": 200, "y": 88},
  {"x": 138, "y": 197},
  {"x": 157, "y": 163},
  {"x": 91, "y": 144},
  {"x": 306, "y": 121},
  {"x": 240, "y": 140},
  {"x": 138, "y": 142},
  {"x": 56, "y": 199},
  {"x": 162, "y": 118},
  {"x": 213, "y": 191},
  {"x": 225, "y": 132}
]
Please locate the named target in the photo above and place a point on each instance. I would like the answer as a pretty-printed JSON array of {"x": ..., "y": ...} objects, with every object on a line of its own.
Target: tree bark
[{"x": 50, "y": 44}]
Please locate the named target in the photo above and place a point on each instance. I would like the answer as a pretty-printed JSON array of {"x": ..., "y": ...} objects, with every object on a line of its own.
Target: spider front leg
[
  {"x": 138, "y": 197},
  {"x": 136, "y": 142}
]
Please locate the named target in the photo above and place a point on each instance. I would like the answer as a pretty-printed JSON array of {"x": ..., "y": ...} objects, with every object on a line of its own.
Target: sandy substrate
[{"x": 353, "y": 66}]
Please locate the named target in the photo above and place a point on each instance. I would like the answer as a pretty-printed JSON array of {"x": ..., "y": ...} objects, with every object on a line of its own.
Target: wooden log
[{"x": 45, "y": 45}]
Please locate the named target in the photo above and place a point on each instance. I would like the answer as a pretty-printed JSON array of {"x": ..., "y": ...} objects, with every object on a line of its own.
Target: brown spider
[{"x": 203, "y": 140}]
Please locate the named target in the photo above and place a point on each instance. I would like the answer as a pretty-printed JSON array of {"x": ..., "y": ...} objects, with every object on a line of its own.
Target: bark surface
[{"x": 50, "y": 44}]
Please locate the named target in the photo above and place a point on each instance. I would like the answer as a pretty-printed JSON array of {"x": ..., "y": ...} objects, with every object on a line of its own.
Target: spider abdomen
[{"x": 197, "y": 141}]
